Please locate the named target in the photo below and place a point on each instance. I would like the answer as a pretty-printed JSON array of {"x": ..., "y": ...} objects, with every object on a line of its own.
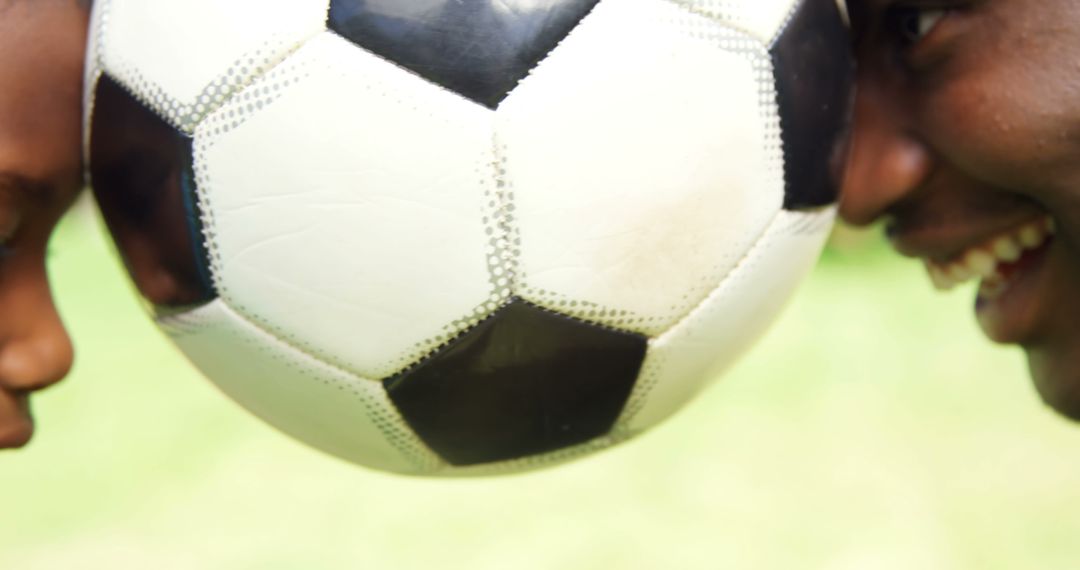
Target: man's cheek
[{"x": 976, "y": 127}]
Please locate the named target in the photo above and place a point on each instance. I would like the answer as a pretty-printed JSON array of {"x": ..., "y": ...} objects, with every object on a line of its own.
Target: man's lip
[
  {"x": 1015, "y": 314},
  {"x": 993, "y": 260},
  {"x": 16, "y": 423},
  {"x": 945, "y": 242}
]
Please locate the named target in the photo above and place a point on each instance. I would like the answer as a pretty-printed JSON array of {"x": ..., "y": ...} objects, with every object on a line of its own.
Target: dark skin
[
  {"x": 967, "y": 127},
  {"x": 42, "y": 45}
]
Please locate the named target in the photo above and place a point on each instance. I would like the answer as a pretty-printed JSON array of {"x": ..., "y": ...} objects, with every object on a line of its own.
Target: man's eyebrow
[{"x": 37, "y": 191}]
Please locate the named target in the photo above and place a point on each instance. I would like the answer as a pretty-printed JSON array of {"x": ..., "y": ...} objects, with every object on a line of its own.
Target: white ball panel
[
  {"x": 92, "y": 71},
  {"x": 538, "y": 461},
  {"x": 348, "y": 209},
  {"x": 763, "y": 19},
  {"x": 844, "y": 14},
  {"x": 327, "y": 408},
  {"x": 184, "y": 58},
  {"x": 685, "y": 359},
  {"x": 658, "y": 121}
]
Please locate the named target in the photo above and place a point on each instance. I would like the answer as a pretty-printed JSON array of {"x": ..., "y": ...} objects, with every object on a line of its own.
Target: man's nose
[{"x": 886, "y": 161}]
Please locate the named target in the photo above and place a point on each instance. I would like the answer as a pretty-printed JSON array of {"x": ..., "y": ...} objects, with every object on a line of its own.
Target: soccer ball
[{"x": 470, "y": 236}]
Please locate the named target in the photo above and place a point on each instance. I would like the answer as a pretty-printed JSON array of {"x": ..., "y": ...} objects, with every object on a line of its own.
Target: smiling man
[{"x": 967, "y": 143}]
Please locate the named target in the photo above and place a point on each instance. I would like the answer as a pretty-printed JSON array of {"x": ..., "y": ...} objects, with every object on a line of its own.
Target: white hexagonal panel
[
  {"x": 347, "y": 201},
  {"x": 185, "y": 57},
  {"x": 761, "y": 18},
  {"x": 325, "y": 407},
  {"x": 643, "y": 159},
  {"x": 93, "y": 70},
  {"x": 685, "y": 359}
]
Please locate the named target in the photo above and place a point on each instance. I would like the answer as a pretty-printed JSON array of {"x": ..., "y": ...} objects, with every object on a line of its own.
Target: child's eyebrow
[{"x": 25, "y": 187}]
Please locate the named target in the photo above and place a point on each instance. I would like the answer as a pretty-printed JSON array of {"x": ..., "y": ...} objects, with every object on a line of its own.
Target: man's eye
[{"x": 914, "y": 23}]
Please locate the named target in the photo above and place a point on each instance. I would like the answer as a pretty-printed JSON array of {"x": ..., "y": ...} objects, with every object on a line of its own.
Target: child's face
[{"x": 41, "y": 61}]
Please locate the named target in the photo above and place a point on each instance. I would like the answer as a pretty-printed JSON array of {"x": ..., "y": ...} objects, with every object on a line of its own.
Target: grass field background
[{"x": 872, "y": 428}]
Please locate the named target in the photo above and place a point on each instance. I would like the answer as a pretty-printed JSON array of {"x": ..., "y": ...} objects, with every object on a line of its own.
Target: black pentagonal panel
[
  {"x": 142, "y": 173},
  {"x": 814, "y": 78},
  {"x": 524, "y": 381},
  {"x": 477, "y": 48}
]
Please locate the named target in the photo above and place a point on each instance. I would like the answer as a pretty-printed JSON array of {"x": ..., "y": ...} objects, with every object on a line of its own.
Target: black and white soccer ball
[{"x": 465, "y": 236}]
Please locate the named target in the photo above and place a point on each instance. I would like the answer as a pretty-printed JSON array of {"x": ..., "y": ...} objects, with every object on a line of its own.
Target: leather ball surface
[{"x": 453, "y": 237}]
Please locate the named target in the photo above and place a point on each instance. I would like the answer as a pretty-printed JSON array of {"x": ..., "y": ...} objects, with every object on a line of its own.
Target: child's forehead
[{"x": 42, "y": 45}]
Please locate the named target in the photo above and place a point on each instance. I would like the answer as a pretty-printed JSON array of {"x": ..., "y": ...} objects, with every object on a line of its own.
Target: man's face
[
  {"x": 967, "y": 142},
  {"x": 41, "y": 55}
]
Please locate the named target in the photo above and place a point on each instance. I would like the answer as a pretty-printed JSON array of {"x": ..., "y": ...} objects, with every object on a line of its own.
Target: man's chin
[{"x": 1056, "y": 375}]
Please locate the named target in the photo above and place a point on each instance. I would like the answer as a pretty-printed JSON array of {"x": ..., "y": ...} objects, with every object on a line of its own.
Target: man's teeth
[
  {"x": 1006, "y": 249},
  {"x": 983, "y": 261}
]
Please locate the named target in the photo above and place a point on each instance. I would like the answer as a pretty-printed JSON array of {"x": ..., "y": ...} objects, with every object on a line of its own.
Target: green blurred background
[{"x": 873, "y": 428}]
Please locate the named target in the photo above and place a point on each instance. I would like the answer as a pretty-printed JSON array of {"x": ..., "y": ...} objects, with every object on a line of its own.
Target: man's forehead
[
  {"x": 858, "y": 7},
  {"x": 859, "y": 11}
]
